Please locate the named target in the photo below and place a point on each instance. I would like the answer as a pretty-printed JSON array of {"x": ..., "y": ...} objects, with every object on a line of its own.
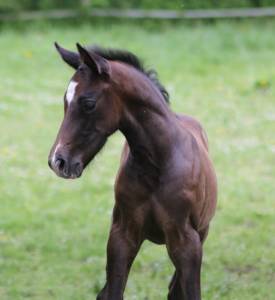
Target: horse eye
[{"x": 88, "y": 105}]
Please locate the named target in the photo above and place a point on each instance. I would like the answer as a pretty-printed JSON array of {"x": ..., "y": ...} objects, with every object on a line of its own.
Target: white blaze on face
[{"x": 71, "y": 91}]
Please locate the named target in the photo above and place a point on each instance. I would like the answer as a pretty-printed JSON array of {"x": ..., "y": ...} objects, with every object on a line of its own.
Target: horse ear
[
  {"x": 97, "y": 63},
  {"x": 70, "y": 57}
]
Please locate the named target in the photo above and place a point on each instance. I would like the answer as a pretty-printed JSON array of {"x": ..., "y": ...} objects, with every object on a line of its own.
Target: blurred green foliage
[{"x": 16, "y": 5}]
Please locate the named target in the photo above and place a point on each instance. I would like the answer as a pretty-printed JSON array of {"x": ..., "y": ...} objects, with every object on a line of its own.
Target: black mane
[{"x": 131, "y": 59}]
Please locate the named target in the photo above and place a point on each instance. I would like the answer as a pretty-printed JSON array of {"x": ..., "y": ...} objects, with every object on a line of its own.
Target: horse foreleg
[
  {"x": 122, "y": 249},
  {"x": 185, "y": 251}
]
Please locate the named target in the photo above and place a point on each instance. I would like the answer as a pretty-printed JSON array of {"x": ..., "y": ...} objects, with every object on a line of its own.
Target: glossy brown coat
[{"x": 165, "y": 190}]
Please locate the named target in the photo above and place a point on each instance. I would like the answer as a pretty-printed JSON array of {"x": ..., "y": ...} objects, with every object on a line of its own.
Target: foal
[{"x": 165, "y": 189}]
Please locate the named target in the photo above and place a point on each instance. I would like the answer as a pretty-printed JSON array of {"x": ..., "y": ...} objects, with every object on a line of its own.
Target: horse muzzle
[{"x": 65, "y": 168}]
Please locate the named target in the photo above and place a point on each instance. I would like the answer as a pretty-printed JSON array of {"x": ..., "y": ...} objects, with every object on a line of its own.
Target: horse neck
[{"x": 147, "y": 121}]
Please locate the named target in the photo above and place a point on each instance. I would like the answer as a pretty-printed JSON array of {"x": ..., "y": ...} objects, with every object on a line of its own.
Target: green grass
[{"x": 53, "y": 232}]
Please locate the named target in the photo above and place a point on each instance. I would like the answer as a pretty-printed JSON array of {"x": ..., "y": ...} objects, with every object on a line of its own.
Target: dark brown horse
[{"x": 165, "y": 189}]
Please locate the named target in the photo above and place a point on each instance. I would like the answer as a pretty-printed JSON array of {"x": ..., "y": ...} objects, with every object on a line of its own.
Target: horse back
[{"x": 194, "y": 127}]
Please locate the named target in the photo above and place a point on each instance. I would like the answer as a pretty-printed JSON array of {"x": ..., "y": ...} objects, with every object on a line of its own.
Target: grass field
[{"x": 53, "y": 232}]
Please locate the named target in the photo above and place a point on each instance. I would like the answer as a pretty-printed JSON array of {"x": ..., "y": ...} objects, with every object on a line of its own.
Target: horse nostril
[
  {"x": 78, "y": 169},
  {"x": 60, "y": 163}
]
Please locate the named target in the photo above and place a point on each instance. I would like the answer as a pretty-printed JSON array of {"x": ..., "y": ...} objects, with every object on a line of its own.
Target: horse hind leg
[
  {"x": 175, "y": 292},
  {"x": 185, "y": 251}
]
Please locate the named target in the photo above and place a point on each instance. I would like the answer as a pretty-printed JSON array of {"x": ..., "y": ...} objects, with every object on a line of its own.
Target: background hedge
[{"x": 19, "y": 5}]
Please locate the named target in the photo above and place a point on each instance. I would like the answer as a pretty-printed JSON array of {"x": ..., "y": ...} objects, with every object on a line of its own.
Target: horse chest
[{"x": 138, "y": 208}]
